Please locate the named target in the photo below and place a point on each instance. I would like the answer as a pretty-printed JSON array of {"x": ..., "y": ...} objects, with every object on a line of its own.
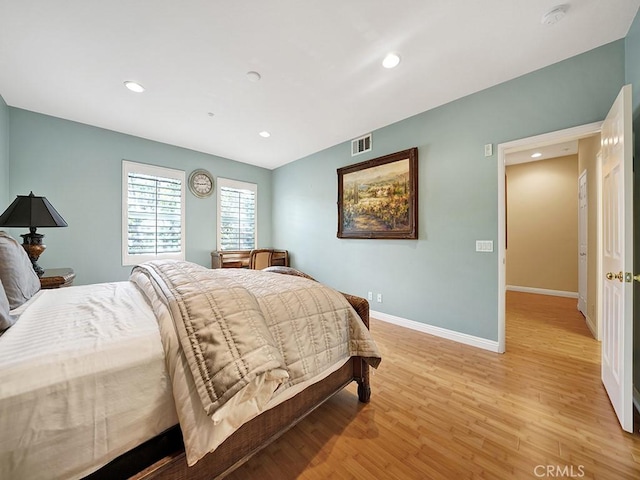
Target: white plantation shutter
[
  {"x": 153, "y": 213},
  {"x": 237, "y": 209},
  {"x": 155, "y": 223}
]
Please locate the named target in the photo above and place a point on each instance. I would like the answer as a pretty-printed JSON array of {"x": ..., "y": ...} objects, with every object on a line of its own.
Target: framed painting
[{"x": 379, "y": 198}]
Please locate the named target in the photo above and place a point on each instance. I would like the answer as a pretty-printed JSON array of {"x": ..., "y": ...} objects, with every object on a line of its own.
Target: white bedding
[{"x": 82, "y": 380}]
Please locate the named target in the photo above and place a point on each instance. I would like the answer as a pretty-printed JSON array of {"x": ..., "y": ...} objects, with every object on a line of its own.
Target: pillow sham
[
  {"x": 6, "y": 320},
  {"x": 19, "y": 279}
]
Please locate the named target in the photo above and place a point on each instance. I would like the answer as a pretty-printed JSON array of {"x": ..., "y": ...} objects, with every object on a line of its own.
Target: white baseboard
[
  {"x": 483, "y": 343},
  {"x": 542, "y": 291},
  {"x": 591, "y": 325}
]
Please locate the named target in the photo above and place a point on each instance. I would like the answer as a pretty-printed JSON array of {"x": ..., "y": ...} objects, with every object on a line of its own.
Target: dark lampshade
[{"x": 33, "y": 212}]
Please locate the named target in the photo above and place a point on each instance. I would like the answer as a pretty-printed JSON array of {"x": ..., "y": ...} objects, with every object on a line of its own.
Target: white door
[
  {"x": 582, "y": 243},
  {"x": 617, "y": 257}
]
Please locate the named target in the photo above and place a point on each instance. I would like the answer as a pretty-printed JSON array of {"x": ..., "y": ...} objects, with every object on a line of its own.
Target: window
[
  {"x": 153, "y": 205},
  {"x": 237, "y": 207}
]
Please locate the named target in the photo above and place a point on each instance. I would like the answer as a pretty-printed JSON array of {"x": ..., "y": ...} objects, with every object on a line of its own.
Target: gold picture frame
[{"x": 378, "y": 198}]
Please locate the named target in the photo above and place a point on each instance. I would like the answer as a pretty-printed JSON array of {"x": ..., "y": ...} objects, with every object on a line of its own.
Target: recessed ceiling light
[
  {"x": 536, "y": 155},
  {"x": 391, "y": 60},
  {"x": 253, "y": 76},
  {"x": 134, "y": 86},
  {"x": 554, "y": 15},
  {"x": 264, "y": 134}
]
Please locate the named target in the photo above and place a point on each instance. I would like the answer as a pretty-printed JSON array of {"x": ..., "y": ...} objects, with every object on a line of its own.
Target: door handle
[{"x": 619, "y": 276}]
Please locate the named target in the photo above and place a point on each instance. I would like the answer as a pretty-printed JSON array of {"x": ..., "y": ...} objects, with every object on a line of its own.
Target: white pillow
[
  {"x": 6, "y": 320},
  {"x": 19, "y": 279}
]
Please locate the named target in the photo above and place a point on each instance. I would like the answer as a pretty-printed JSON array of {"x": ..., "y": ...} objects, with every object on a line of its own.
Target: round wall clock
[{"x": 201, "y": 183}]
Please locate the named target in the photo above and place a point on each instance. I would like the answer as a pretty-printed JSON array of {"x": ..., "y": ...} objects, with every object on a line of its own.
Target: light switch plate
[
  {"x": 484, "y": 245},
  {"x": 488, "y": 150}
]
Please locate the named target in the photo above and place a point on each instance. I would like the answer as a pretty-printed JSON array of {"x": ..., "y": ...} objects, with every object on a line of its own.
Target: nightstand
[{"x": 57, "y": 277}]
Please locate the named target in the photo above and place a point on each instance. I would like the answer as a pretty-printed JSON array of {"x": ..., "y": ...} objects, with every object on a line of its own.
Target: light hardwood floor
[{"x": 442, "y": 410}]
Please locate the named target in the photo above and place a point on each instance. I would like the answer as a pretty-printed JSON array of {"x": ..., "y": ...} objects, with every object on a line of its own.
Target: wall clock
[{"x": 201, "y": 183}]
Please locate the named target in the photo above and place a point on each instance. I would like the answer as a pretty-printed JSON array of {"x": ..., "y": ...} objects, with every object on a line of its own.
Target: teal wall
[
  {"x": 4, "y": 154},
  {"x": 439, "y": 279},
  {"x": 78, "y": 168},
  {"x": 632, "y": 76},
  {"x": 632, "y": 69}
]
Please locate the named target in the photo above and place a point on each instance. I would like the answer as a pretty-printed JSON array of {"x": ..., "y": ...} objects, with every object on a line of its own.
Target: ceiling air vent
[{"x": 361, "y": 145}]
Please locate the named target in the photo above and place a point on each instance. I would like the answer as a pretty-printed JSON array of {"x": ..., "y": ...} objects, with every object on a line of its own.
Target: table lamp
[{"x": 33, "y": 212}]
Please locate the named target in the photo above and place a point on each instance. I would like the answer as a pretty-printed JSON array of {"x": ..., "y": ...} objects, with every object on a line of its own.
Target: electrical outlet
[
  {"x": 488, "y": 150},
  {"x": 370, "y": 296},
  {"x": 379, "y": 298}
]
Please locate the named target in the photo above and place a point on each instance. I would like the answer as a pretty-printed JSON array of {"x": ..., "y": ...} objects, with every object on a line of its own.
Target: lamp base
[{"x": 32, "y": 243}]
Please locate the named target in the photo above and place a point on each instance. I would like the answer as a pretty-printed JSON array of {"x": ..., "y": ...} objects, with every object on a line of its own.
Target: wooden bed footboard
[
  {"x": 253, "y": 435},
  {"x": 170, "y": 462},
  {"x": 360, "y": 367}
]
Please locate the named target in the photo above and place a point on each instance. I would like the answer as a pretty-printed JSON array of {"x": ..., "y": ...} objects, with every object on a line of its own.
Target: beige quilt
[{"x": 245, "y": 337}]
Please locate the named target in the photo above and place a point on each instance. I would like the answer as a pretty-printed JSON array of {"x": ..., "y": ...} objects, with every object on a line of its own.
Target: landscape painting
[{"x": 379, "y": 198}]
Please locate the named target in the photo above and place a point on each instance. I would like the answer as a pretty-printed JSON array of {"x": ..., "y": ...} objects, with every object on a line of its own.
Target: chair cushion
[{"x": 19, "y": 279}]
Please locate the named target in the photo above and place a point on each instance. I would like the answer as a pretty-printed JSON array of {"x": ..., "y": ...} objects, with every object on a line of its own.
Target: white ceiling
[{"x": 320, "y": 61}]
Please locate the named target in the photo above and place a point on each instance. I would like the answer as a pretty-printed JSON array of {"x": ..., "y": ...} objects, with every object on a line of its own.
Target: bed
[{"x": 95, "y": 383}]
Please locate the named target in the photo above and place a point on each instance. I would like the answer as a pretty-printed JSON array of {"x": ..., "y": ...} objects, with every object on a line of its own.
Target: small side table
[{"x": 57, "y": 277}]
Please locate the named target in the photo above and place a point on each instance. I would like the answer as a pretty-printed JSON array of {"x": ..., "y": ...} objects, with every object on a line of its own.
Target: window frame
[
  {"x": 239, "y": 185},
  {"x": 156, "y": 171}
]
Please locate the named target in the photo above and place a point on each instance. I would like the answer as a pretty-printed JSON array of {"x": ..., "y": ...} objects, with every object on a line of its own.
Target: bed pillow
[
  {"x": 19, "y": 279},
  {"x": 6, "y": 320}
]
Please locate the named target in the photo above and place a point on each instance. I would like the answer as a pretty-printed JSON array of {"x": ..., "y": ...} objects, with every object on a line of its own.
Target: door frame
[
  {"x": 527, "y": 143},
  {"x": 583, "y": 235},
  {"x": 599, "y": 239}
]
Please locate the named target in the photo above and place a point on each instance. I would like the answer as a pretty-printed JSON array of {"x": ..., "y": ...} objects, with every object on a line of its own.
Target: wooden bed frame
[{"x": 164, "y": 458}]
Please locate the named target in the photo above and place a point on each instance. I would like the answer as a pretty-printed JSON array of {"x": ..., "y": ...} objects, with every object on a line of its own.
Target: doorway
[{"x": 504, "y": 149}]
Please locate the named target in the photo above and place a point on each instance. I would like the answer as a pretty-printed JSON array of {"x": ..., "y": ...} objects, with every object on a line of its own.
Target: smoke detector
[{"x": 554, "y": 15}]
